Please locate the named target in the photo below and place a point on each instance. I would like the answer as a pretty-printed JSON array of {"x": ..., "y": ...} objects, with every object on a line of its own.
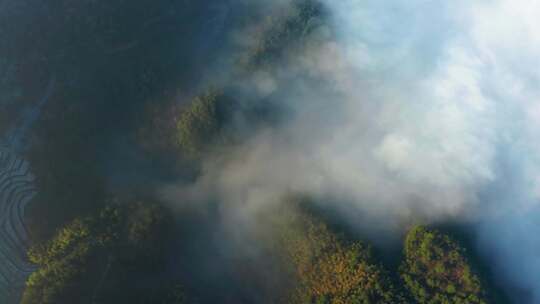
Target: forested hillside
[{"x": 165, "y": 172}]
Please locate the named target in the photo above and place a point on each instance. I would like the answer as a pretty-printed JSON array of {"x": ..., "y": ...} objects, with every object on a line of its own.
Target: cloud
[
  {"x": 459, "y": 89},
  {"x": 408, "y": 110}
]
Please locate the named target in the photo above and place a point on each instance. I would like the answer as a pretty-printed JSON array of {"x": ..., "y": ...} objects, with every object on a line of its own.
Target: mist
[
  {"x": 460, "y": 100},
  {"x": 402, "y": 112}
]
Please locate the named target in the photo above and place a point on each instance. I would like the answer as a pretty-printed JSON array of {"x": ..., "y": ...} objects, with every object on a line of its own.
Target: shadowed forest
[{"x": 148, "y": 97}]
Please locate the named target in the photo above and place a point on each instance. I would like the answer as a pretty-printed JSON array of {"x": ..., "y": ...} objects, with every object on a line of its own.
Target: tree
[
  {"x": 144, "y": 222},
  {"x": 104, "y": 257},
  {"x": 62, "y": 263},
  {"x": 199, "y": 125},
  {"x": 436, "y": 270},
  {"x": 327, "y": 269},
  {"x": 286, "y": 32},
  {"x": 147, "y": 234},
  {"x": 157, "y": 133}
]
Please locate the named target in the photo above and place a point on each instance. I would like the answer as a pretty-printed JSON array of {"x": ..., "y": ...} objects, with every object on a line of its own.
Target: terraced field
[{"x": 16, "y": 190}]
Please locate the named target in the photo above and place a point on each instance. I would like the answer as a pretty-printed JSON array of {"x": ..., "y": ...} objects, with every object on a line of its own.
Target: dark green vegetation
[
  {"x": 118, "y": 126},
  {"x": 213, "y": 119},
  {"x": 116, "y": 256},
  {"x": 182, "y": 130},
  {"x": 199, "y": 125},
  {"x": 111, "y": 60},
  {"x": 121, "y": 255},
  {"x": 436, "y": 269},
  {"x": 284, "y": 33},
  {"x": 324, "y": 265}
]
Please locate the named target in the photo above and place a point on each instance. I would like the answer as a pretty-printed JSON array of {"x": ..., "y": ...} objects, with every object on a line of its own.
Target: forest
[{"x": 156, "y": 106}]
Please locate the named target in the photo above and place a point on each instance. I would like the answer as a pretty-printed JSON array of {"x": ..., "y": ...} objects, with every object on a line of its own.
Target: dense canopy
[
  {"x": 176, "y": 120},
  {"x": 436, "y": 269},
  {"x": 98, "y": 258},
  {"x": 328, "y": 269}
]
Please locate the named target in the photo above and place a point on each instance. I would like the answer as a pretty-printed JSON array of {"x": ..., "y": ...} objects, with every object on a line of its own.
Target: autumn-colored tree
[{"x": 328, "y": 269}]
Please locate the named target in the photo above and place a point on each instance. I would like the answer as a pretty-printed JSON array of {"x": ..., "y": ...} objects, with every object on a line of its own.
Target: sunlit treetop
[{"x": 329, "y": 270}]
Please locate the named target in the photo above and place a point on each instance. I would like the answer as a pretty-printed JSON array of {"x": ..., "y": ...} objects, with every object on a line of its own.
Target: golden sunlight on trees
[{"x": 327, "y": 269}]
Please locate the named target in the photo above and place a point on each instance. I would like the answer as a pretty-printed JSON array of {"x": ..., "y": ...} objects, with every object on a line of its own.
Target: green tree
[
  {"x": 199, "y": 124},
  {"x": 63, "y": 263},
  {"x": 284, "y": 33},
  {"x": 104, "y": 258},
  {"x": 436, "y": 270}
]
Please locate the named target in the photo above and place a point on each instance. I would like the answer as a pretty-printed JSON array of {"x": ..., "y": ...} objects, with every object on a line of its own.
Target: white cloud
[
  {"x": 433, "y": 111},
  {"x": 466, "y": 92}
]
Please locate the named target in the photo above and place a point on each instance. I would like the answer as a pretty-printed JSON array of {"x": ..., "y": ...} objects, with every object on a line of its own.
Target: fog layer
[{"x": 404, "y": 111}]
